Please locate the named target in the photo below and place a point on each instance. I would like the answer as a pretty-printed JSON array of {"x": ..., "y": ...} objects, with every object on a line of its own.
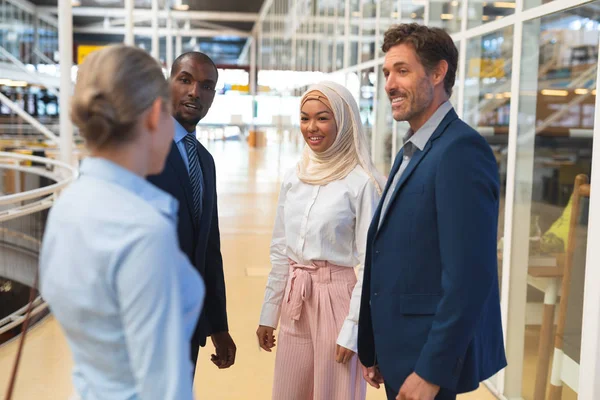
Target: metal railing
[{"x": 22, "y": 220}]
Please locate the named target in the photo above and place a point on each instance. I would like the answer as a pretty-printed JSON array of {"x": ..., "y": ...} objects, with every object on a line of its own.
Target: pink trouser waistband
[{"x": 302, "y": 277}]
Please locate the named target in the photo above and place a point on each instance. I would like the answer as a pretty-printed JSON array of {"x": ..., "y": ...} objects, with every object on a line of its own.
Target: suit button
[{"x": 375, "y": 294}]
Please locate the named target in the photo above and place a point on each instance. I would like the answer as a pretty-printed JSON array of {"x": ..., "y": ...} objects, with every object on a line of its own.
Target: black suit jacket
[{"x": 200, "y": 242}]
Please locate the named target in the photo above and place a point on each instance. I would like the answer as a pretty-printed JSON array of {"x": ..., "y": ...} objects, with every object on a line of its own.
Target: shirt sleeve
[
  {"x": 366, "y": 204},
  {"x": 147, "y": 286},
  {"x": 271, "y": 309}
]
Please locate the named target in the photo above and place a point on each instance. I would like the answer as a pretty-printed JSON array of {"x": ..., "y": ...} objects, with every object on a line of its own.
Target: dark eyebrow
[
  {"x": 186, "y": 74},
  {"x": 320, "y": 112},
  {"x": 400, "y": 63}
]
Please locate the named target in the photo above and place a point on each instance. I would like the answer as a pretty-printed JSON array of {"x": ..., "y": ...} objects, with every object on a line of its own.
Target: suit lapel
[
  {"x": 414, "y": 161},
  {"x": 176, "y": 162},
  {"x": 393, "y": 173}
]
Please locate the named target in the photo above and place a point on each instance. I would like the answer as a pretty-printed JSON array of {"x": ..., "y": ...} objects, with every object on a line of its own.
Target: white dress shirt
[{"x": 321, "y": 223}]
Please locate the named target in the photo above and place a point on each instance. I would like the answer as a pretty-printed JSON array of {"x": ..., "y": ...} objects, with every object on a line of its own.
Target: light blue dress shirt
[
  {"x": 115, "y": 279},
  {"x": 181, "y": 133}
]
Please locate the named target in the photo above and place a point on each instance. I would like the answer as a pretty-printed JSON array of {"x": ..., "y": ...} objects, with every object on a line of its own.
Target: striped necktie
[{"x": 196, "y": 179}]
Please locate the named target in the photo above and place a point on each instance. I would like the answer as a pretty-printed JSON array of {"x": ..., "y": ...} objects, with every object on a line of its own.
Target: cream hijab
[{"x": 350, "y": 147}]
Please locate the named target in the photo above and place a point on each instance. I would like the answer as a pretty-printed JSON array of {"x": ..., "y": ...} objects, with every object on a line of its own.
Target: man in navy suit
[
  {"x": 430, "y": 323},
  {"x": 189, "y": 176}
]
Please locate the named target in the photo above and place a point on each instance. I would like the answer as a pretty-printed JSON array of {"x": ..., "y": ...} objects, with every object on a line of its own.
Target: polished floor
[{"x": 248, "y": 186}]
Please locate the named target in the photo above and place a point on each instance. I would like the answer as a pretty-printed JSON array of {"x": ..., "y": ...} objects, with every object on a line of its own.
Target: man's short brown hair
[{"x": 432, "y": 45}]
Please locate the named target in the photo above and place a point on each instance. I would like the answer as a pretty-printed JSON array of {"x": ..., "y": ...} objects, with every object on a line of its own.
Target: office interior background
[{"x": 526, "y": 81}]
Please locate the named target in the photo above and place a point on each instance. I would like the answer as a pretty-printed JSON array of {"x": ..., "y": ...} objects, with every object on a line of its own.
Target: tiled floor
[{"x": 248, "y": 185}]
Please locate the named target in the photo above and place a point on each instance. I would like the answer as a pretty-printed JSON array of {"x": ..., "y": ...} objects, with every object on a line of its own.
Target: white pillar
[
  {"x": 129, "y": 38},
  {"x": 178, "y": 41},
  {"x": 155, "y": 39},
  {"x": 253, "y": 77},
  {"x": 65, "y": 47},
  {"x": 169, "y": 40},
  {"x": 347, "y": 35},
  {"x": 36, "y": 39},
  {"x": 253, "y": 65}
]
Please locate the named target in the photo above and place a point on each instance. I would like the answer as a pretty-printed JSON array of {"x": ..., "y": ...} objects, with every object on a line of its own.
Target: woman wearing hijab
[{"x": 325, "y": 207}]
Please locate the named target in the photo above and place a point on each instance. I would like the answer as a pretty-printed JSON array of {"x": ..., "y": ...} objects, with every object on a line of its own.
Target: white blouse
[{"x": 321, "y": 223}]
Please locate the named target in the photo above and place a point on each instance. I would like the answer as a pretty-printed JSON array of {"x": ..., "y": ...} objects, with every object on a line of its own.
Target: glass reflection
[{"x": 554, "y": 156}]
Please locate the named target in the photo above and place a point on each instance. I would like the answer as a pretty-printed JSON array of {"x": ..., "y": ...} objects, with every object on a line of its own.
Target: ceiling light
[
  {"x": 454, "y": 3},
  {"x": 581, "y": 91},
  {"x": 447, "y": 16},
  {"x": 9, "y": 82},
  {"x": 504, "y": 4},
  {"x": 506, "y": 95},
  {"x": 489, "y": 96},
  {"x": 485, "y": 18},
  {"x": 594, "y": 92},
  {"x": 551, "y": 92},
  {"x": 75, "y": 3}
]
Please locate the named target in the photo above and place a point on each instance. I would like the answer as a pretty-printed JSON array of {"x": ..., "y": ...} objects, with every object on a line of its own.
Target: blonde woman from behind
[{"x": 125, "y": 295}]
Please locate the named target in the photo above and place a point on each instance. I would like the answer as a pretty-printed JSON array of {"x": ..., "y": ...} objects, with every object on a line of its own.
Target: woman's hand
[
  {"x": 266, "y": 337},
  {"x": 342, "y": 354}
]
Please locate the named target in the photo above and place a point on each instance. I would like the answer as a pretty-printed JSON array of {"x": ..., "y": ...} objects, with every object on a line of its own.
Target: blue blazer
[
  {"x": 430, "y": 300},
  {"x": 200, "y": 242}
]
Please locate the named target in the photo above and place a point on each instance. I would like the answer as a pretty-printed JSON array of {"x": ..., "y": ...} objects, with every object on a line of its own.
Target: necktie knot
[
  {"x": 409, "y": 149},
  {"x": 190, "y": 141}
]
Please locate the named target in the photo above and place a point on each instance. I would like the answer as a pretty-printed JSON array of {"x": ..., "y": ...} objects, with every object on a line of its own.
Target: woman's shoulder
[
  {"x": 289, "y": 176},
  {"x": 359, "y": 179},
  {"x": 98, "y": 202}
]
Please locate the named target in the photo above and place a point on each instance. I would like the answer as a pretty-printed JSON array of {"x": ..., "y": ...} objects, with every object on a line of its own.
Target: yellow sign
[
  {"x": 486, "y": 68},
  {"x": 241, "y": 88},
  {"x": 84, "y": 50}
]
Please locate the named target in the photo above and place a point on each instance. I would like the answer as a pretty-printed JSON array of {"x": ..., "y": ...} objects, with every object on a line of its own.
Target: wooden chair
[{"x": 580, "y": 189}]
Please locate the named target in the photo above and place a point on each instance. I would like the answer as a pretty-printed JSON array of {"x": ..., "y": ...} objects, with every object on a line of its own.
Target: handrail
[
  {"x": 18, "y": 63},
  {"x": 62, "y": 179},
  {"x": 38, "y": 159},
  {"x": 41, "y": 128},
  {"x": 36, "y": 193},
  {"x": 13, "y": 213},
  {"x": 44, "y": 57}
]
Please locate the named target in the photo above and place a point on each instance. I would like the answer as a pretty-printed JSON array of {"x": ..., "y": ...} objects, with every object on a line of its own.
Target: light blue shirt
[
  {"x": 126, "y": 296},
  {"x": 414, "y": 141},
  {"x": 180, "y": 133}
]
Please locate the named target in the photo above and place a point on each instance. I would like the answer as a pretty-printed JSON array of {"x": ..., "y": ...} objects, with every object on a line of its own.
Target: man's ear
[{"x": 439, "y": 72}]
